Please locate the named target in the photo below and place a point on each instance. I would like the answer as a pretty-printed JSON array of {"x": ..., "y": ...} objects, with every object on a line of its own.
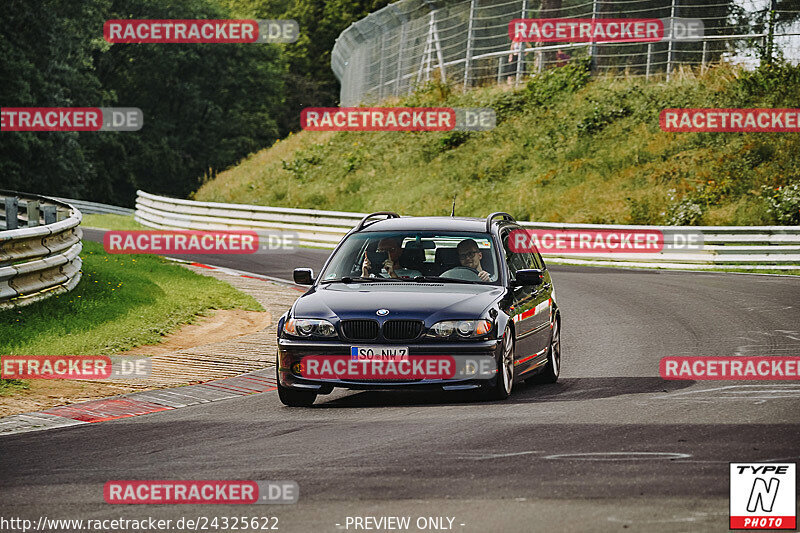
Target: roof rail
[
  {"x": 363, "y": 223},
  {"x": 489, "y": 219}
]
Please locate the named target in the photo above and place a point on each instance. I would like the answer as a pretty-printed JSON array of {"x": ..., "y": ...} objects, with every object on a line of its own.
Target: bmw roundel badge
[{"x": 382, "y": 312}]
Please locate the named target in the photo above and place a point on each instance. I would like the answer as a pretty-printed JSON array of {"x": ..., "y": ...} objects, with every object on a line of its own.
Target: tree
[
  {"x": 47, "y": 62},
  {"x": 309, "y": 80},
  {"x": 205, "y": 105}
]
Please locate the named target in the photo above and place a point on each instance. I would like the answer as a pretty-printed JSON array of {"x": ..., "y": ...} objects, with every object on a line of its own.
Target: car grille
[
  {"x": 401, "y": 330},
  {"x": 363, "y": 330}
]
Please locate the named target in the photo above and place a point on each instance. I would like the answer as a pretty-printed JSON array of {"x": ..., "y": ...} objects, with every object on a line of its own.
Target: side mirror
[
  {"x": 529, "y": 277},
  {"x": 303, "y": 276}
]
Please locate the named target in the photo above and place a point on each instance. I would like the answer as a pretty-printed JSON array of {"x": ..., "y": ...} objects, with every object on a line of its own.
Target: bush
[
  {"x": 548, "y": 87},
  {"x": 773, "y": 84},
  {"x": 602, "y": 117},
  {"x": 304, "y": 161},
  {"x": 453, "y": 139},
  {"x": 783, "y": 203},
  {"x": 687, "y": 212}
]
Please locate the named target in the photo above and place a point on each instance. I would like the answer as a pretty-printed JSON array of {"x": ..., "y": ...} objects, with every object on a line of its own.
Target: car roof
[{"x": 475, "y": 225}]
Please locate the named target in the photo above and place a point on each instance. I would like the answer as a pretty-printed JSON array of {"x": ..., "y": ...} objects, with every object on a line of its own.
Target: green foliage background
[
  {"x": 205, "y": 106},
  {"x": 567, "y": 148}
]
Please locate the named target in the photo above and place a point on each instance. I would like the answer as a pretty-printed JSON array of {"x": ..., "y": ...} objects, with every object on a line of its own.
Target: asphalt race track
[{"x": 611, "y": 447}]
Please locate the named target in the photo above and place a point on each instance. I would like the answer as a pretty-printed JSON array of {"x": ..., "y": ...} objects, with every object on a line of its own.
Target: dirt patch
[{"x": 220, "y": 326}]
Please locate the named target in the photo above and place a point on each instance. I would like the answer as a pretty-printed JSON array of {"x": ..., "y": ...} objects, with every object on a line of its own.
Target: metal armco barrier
[
  {"x": 745, "y": 247},
  {"x": 94, "y": 208},
  {"x": 724, "y": 247},
  {"x": 39, "y": 245},
  {"x": 314, "y": 228}
]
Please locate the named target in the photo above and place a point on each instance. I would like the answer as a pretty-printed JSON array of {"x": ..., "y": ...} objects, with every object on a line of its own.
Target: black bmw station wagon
[{"x": 423, "y": 286}]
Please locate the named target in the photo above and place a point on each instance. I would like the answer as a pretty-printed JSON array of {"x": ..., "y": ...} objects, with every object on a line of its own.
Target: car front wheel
[
  {"x": 505, "y": 370},
  {"x": 295, "y": 397},
  {"x": 552, "y": 369}
]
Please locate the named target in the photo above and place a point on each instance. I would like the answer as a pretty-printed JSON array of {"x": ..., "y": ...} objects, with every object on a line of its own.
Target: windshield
[{"x": 403, "y": 256}]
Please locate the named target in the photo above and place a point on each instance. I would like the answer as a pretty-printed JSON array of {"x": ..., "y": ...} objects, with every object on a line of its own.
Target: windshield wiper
[
  {"x": 440, "y": 279},
  {"x": 358, "y": 279}
]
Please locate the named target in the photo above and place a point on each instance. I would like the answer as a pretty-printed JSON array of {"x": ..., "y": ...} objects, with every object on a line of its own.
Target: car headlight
[
  {"x": 309, "y": 327},
  {"x": 464, "y": 329}
]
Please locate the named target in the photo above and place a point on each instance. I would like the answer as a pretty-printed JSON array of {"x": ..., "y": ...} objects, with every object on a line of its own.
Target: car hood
[{"x": 420, "y": 301}]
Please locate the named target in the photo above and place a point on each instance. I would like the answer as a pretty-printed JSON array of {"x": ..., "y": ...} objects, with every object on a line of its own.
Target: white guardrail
[
  {"x": 39, "y": 245},
  {"x": 724, "y": 247},
  {"x": 94, "y": 208}
]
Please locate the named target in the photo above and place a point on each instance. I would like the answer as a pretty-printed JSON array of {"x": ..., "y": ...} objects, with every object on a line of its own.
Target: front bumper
[{"x": 291, "y": 352}]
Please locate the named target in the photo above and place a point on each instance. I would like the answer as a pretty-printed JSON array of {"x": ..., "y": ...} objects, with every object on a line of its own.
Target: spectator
[
  {"x": 394, "y": 248},
  {"x": 514, "y": 57}
]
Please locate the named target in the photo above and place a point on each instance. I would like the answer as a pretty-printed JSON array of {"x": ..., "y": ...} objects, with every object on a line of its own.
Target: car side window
[
  {"x": 537, "y": 260},
  {"x": 516, "y": 261}
]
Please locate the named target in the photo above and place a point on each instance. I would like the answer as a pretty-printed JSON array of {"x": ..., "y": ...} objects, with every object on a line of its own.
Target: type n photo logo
[{"x": 763, "y": 496}]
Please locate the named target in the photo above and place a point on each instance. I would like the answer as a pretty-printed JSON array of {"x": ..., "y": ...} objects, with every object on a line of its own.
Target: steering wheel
[{"x": 462, "y": 272}]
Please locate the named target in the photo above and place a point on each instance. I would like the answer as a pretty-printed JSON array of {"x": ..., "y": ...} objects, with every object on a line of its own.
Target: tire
[
  {"x": 552, "y": 369},
  {"x": 504, "y": 381},
  {"x": 295, "y": 397}
]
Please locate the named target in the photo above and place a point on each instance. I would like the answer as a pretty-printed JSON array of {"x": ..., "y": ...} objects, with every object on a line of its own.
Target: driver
[
  {"x": 393, "y": 247},
  {"x": 470, "y": 256}
]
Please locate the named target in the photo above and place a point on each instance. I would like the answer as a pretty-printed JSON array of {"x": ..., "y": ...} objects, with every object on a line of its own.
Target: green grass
[
  {"x": 9, "y": 387},
  {"x": 567, "y": 148},
  {"x": 113, "y": 222},
  {"x": 122, "y": 301},
  {"x": 765, "y": 271}
]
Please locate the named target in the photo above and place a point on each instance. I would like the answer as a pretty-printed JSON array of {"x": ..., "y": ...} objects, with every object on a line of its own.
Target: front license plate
[{"x": 379, "y": 353}]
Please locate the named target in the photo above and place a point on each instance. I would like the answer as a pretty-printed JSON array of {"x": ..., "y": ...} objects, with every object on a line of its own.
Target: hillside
[{"x": 567, "y": 148}]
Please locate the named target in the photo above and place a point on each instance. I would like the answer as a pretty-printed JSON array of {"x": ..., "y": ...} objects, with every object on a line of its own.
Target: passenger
[
  {"x": 470, "y": 256},
  {"x": 393, "y": 247}
]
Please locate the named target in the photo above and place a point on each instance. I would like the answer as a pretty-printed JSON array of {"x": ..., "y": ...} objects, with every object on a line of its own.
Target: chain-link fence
[{"x": 466, "y": 42}]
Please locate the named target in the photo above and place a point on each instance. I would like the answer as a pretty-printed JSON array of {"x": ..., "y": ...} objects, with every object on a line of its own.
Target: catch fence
[{"x": 466, "y": 42}]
